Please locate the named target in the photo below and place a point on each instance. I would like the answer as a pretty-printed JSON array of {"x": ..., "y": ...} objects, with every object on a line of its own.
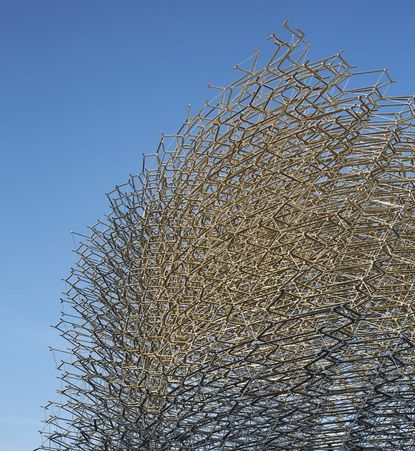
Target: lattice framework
[{"x": 252, "y": 288}]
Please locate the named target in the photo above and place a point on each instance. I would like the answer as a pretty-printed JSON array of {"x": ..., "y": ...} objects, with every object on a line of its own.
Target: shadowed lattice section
[{"x": 252, "y": 288}]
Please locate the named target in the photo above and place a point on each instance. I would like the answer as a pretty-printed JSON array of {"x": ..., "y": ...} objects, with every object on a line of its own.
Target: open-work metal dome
[{"x": 252, "y": 288}]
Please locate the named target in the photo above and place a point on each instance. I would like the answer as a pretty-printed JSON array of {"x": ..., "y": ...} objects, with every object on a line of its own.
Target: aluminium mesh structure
[{"x": 252, "y": 288}]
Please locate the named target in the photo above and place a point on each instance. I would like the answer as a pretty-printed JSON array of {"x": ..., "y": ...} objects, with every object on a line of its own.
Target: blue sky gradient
[{"x": 86, "y": 87}]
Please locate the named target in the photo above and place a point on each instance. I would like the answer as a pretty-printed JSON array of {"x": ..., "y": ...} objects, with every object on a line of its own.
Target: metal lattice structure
[{"x": 252, "y": 288}]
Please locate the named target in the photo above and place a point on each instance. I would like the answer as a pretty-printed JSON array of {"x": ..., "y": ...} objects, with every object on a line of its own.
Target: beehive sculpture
[{"x": 252, "y": 288}]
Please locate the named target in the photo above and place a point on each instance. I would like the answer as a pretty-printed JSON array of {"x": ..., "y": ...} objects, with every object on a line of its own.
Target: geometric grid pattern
[{"x": 252, "y": 288}]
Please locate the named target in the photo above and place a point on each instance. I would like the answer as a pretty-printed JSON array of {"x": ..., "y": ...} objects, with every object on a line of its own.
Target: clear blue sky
[{"x": 85, "y": 88}]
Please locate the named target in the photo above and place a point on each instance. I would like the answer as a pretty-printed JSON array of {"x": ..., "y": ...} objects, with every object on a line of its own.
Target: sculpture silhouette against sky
[{"x": 252, "y": 288}]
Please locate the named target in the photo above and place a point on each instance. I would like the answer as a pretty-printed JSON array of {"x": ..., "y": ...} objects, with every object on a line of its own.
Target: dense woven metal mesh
[{"x": 253, "y": 287}]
